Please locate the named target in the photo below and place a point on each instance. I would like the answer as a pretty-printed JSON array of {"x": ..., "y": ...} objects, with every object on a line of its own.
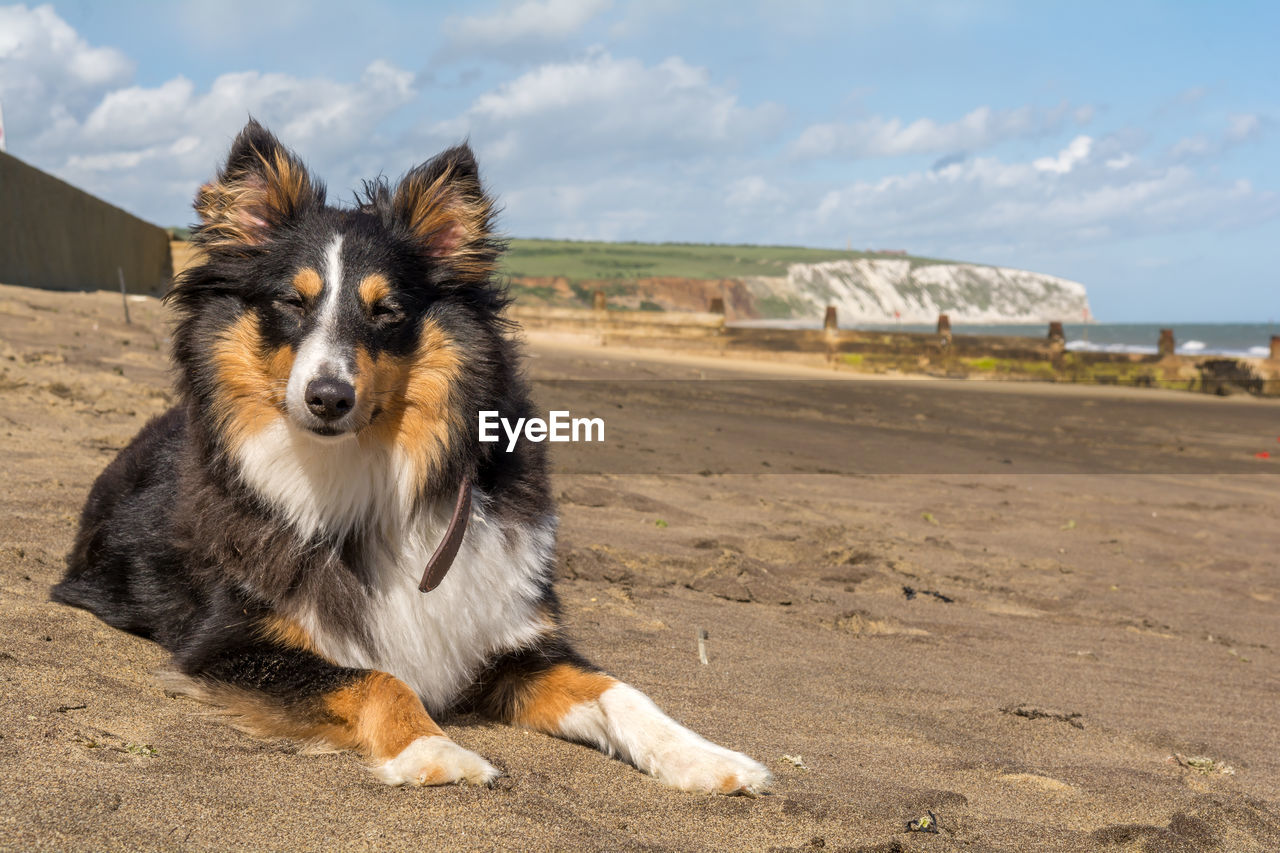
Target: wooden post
[
  {"x": 1275, "y": 347},
  {"x": 598, "y": 301},
  {"x": 1056, "y": 335},
  {"x": 124, "y": 298},
  {"x": 717, "y": 305},
  {"x": 1166, "y": 345},
  {"x": 829, "y": 321}
]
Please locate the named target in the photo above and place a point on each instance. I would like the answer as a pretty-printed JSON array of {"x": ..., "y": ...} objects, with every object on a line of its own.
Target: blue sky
[{"x": 1129, "y": 146}]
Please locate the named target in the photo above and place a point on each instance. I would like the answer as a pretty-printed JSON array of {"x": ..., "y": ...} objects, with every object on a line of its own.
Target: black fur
[
  {"x": 174, "y": 547},
  {"x": 259, "y": 533}
]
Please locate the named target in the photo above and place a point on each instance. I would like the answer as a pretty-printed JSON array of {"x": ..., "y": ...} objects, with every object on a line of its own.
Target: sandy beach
[{"x": 1044, "y": 614}]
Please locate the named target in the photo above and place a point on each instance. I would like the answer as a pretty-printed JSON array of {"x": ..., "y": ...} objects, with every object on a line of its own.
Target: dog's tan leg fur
[
  {"x": 379, "y": 716},
  {"x": 371, "y": 712},
  {"x": 548, "y": 697},
  {"x": 582, "y": 705},
  {"x": 387, "y": 722}
]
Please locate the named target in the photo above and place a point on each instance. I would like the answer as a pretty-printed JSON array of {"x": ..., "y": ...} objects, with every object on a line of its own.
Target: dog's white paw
[
  {"x": 436, "y": 760},
  {"x": 626, "y": 723},
  {"x": 710, "y": 769}
]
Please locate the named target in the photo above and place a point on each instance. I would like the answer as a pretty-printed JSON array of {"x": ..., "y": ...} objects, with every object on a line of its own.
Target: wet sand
[{"x": 1023, "y": 648}]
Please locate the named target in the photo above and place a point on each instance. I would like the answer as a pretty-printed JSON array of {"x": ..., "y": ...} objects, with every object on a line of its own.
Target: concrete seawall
[{"x": 56, "y": 237}]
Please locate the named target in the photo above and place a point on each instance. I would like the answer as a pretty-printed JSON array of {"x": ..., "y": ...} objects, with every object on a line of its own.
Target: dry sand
[{"x": 1106, "y": 600}]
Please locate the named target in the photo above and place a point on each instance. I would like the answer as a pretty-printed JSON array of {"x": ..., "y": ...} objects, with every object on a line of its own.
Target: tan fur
[
  {"x": 241, "y": 210},
  {"x": 374, "y": 288},
  {"x": 287, "y": 632},
  {"x": 308, "y": 283},
  {"x": 251, "y": 380},
  {"x": 254, "y": 714},
  {"x": 413, "y": 396},
  {"x": 547, "y": 698},
  {"x": 451, "y": 216},
  {"x": 377, "y": 716},
  {"x": 382, "y": 715}
]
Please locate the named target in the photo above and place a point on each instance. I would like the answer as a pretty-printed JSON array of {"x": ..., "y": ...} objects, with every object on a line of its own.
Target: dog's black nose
[{"x": 330, "y": 399}]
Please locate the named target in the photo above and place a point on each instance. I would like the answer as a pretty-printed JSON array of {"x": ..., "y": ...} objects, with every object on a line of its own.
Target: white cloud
[
  {"x": 1191, "y": 146},
  {"x": 1076, "y": 152},
  {"x": 892, "y": 137},
  {"x": 612, "y": 147},
  {"x": 70, "y": 110},
  {"x": 588, "y": 208},
  {"x": 49, "y": 75},
  {"x": 136, "y": 114},
  {"x": 182, "y": 133},
  {"x": 984, "y": 208},
  {"x": 1240, "y": 128},
  {"x": 530, "y": 21},
  {"x": 1243, "y": 127},
  {"x": 986, "y": 201},
  {"x": 600, "y": 106},
  {"x": 753, "y": 191},
  {"x": 314, "y": 111}
]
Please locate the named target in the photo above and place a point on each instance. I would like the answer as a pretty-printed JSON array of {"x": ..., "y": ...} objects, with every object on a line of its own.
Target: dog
[{"x": 270, "y": 529}]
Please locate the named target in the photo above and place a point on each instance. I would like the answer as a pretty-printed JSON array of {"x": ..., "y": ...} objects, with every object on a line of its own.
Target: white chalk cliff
[{"x": 871, "y": 290}]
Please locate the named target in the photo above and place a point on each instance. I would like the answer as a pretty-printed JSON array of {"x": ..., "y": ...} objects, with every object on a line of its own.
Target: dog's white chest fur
[{"x": 436, "y": 641}]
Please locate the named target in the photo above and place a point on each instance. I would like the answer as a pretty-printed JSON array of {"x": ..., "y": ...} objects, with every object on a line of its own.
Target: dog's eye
[
  {"x": 386, "y": 314},
  {"x": 292, "y": 305}
]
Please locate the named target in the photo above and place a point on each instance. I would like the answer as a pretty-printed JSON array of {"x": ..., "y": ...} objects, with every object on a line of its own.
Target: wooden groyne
[{"x": 942, "y": 353}]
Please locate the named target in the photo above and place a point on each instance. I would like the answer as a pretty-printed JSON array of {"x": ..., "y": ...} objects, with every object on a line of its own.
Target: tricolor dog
[{"x": 273, "y": 529}]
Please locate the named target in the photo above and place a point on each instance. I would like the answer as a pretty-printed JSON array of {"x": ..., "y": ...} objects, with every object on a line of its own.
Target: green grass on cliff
[{"x": 583, "y": 260}]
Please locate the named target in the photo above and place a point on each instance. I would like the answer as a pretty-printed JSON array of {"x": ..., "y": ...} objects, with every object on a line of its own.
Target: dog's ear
[
  {"x": 263, "y": 186},
  {"x": 445, "y": 209}
]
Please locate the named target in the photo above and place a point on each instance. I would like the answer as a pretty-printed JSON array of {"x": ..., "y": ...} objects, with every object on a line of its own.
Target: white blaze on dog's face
[{"x": 321, "y": 394}]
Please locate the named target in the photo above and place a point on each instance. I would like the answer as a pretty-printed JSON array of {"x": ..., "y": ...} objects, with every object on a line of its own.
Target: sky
[{"x": 1129, "y": 146}]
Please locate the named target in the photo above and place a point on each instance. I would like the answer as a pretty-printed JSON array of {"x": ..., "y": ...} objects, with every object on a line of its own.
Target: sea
[{"x": 1240, "y": 340}]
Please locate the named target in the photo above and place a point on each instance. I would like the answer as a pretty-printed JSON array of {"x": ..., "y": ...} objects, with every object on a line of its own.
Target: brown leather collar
[{"x": 442, "y": 559}]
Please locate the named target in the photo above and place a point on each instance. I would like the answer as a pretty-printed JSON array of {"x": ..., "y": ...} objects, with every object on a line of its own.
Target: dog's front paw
[
  {"x": 711, "y": 769},
  {"x": 436, "y": 760}
]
